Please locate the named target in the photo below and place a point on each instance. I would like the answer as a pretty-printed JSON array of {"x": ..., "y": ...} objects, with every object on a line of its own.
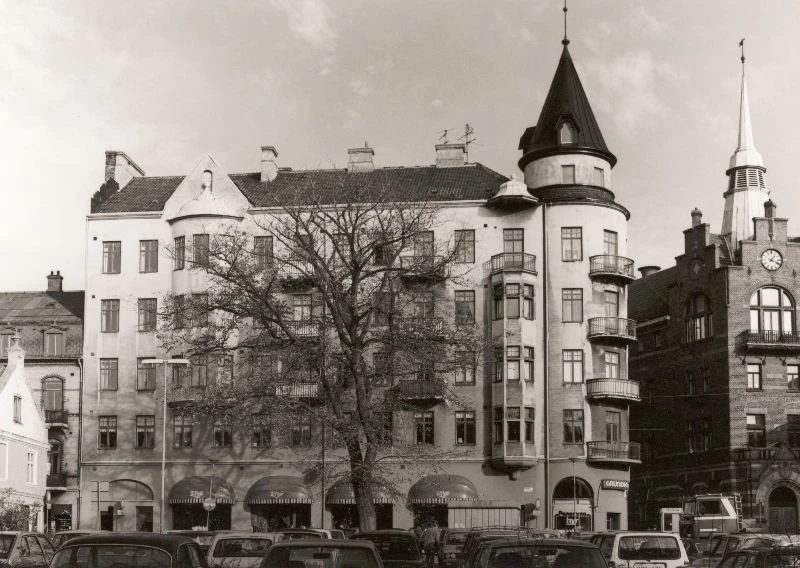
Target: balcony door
[
  {"x": 53, "y": 394},
  {"x": 613, "y": 426},
  {"x": 612, "y": 304}
]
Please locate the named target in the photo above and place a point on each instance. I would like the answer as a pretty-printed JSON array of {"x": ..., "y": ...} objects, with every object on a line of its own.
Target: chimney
[
  {"x": 770, "y": 209},
  {"x": 121, "y": 168},
  {"x": 450, "y": 155},
  {"x": 360, "y": 159},
  {"x": 648, "y": 270},
  {"x": 54, "y": 281},
  {"x": 697, "y": 217},
  {"x": 269, "y": 163}
]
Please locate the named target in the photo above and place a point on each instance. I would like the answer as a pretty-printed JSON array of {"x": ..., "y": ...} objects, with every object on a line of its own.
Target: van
[{"x": 642, "y": 549}]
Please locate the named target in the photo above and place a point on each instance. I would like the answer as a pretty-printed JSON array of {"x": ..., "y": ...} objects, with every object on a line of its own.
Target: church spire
[{"x": 746, "y": 153}]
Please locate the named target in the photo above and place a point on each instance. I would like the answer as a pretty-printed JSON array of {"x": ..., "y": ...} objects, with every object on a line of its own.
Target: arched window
[
  {"x": 699, "y": 319},
  {"x": 567, "y": 133},
  {"x": 53, "y": 393},
  {"x": 564, "y": 489},
  {"x": 771, "y": 313}
]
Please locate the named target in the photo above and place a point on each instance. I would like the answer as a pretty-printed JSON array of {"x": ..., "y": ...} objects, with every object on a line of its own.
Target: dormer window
[
  {"x": 208, "y": 180},
  {"x": 566, "y": 133},
  {"x": 5, "y": 342},
  {"x": 54, "y": 343}
]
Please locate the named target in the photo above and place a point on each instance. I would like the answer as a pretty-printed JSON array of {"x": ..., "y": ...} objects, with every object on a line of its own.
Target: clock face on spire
[{"x": 771, "y": 259}]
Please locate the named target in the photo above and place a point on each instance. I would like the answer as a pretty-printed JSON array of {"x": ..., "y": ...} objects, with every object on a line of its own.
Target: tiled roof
[
  {"x": 566, "y": 99},
  {"x": 724, "y": 249},
  {"x": 426, "y": 183},
  {"x": 40, "y": 306},
  {"x": 648, "y": 297}
]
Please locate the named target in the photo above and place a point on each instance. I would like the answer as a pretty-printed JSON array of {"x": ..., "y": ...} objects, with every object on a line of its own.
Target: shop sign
[{"x": 616, "y": 484}]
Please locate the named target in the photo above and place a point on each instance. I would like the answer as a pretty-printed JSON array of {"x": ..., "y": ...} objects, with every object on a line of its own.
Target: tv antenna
[
  {"x": 468, "y": 132},
  {"x": 443, "y": 136}
]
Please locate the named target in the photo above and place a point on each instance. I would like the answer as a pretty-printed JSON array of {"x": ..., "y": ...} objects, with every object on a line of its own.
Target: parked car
[
  {"x": 451, "y": 549},
  {"x": 129, "y": 550},
  {"x": 29, "y": 549},
  {"x": 762, "y": 557},
  {"x": 289, "y": 534},
  {"x": 479, "y": 535},
  {"x": 61, "y": 537},
  {"x": 203, "y": 538},
  {"x": 322, "y": 553},
  {"x": 337, "y": 534},
  {"x": 664, "y": 549},
  {"x": 723, "y": 543},
  {"x": 396, "y": 547},
  {"x": 239, "y": 549},
  {"x": 696, "y": 547},
  {"x": 540, "y": 552}
]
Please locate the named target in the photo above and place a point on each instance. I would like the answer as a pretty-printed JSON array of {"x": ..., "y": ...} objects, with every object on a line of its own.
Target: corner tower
[{"x": 747, "y": 188}]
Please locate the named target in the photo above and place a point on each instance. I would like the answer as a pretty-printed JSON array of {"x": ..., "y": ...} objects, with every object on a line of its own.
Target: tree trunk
[{"x": 363, "y": 489}]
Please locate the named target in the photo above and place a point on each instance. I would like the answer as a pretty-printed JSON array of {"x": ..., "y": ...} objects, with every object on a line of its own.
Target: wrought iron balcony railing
[
  {"x": 432, "y": 389},
  {"x": 623, "y": 452},
  {"x": 427, "y": 326},
  {"x": 510, "y": 262},
  {"x": 617, "y": 267},
  {"x": 298, "y": 390},
  {"x": 56, "y": 480},
  {"x": 769, "y": 339},
  {"x": 56, "y": 416},
  {"x": 427, "y": 267},
  {"x": 611, "y": 327},
  {"x": 612, "y": 389}
]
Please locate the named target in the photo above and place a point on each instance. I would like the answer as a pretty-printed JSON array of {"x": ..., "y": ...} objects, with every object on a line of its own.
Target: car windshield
[
  {"x": 241, "y": 547},
  {"x": 6, "y": 542},
  {"x": 456, "y": 538},
  {"x": 319, "y": 557},
  {"x": 110, "y": 556},
  {"x": 647, "y": 547},
  {"x": 393, "y": 547},
  {"x": 297, "y": 534},
  {"x": 545, "y": 556}
]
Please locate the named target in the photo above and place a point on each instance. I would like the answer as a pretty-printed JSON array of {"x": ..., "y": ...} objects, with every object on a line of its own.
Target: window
[
  {"x": 465, "y": 246},
  {"x": 613, "y": 426},
  {"x": 383, "y": 308},
  {"x": 107, "y": 432},
  {"x": 691, "y": 383},
  {"x": 386, "y": 428},
  {"x": 691, "y": 437},
  {"x": 611, "y": 359},
  {"x": 529, "y": 424},
  {"x": 381, "y": 252},
  {"x": 180, "y": 253},
  {"x": 497, "y": 301},
  {"x": 756, "y": 431},
  {"x": 147, "y": 314},
  {"x": 381, "y": 370},
  {"x": 262, "y": 251},
  {"x": 512, "y": 424},
  {"x": 145, "y": 431},
  {"x": 54, "y": 343},
  {"x": 109, "y": 373},
  {"x": 512, "y": 362},
  {"x": 512, "y": 301},
  {"x": 145, "y": 375},
  {"x": 18, "y": 409},
  {"x": 301, "y": 307},
  {"x": 465, "y": 368},
  {"x": 423, "y": 245},
  {"x": 179, "y": 308},
  {"x": 148, "y": 256},
  {"x": 465, "y": 427},
  {"x": 771, "y": 314},
  {"x": 566, "y": 134},
  {"x": 573, "y": 426},
  {"x": 611, "y": 301},
  {"x": 180, "y": 374},
  {"x": 181, "y": 431},
  {"x": 426, "y": 369},
  {"x": 497, "y": 424},
  {"x": 705, "y": 433},
  {"x": 571, "y": 305},
  {"x": 699, "y": 320},
  {"x": 423, "y": 304},
  {"x": 201, "y": 247},
  {"x": 793, "y": 430},
  {"x": 423, "y": 428},
  {"x": 223, "y": 433},
  {"x": 528, "y": 372},
  {"x": 109, "y": 316},
  {"x": 705, "y": 380},
  {"x": 30, "y": 468},
  {"x": 610, "y": 246},
  {"x": 499, "y": 362},
  {"x": 465, "y": 307},
  {"x": 199, "y": 311},
  {"x": 199, "y": 370},
  {"x": 5, "y": 343},
  {"x": 753, "y": 376},
  {"x": 261, "y": 433},
  {"x": 571, "y": 244},
  {"x": 793, "y": 377},
  {"x": 572, "y": 362},
  {"x": 527, "y": 302},
  {"x": 3, "y": 461},
  {"x": 112, "y": 256},
  {"x": 513, "y": 241},
  {"x": 599, "y": 177},
  {"x": 301, "y": 431},
  {"x": 53, "y": 394},
  {"x": 568, "y": 174},
  {"x": 303, "y": 246}
]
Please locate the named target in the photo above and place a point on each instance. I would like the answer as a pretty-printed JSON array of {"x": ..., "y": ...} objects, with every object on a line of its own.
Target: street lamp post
[
  {"x": 574, "y": 498},
  {"x": 166, "y": 363}
]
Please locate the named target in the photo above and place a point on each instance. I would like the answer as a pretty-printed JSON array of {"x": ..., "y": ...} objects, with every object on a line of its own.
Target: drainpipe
[
  {"x": 77, "y": 523},
  {"x": 545, "y": 358}
]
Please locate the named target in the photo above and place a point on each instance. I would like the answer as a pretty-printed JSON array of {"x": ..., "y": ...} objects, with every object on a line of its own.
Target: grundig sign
[{"x": 618, "y": 484}]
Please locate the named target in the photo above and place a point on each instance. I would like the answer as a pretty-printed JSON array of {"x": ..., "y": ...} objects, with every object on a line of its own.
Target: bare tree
[
  {"x": 16, "y": 515},
  {"x": 336, "y": 310}
]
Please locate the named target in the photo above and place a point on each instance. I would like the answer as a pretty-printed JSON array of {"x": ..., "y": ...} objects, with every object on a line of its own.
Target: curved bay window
[
  {"x": 699, "y": 319},
  {"x": 771, "y": 314}
]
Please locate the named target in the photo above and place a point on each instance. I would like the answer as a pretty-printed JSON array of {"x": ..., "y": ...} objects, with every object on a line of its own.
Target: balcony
[
  {"x": 421, "y": 389},
  {"x": 612, "y": 390},
  {"x": 427, "y": 268},
  {"x": 610, "y": 328},
  {"x": 298, "y": 274},
  {"x": 609, "y": 267},
  {"x": 56, "y": 481},
  {"x": 304, "y": 328},
  {"x": 423, "y": 327},
  {"x": 512, "y": 457},
  {"x": 769, "y": 341},
  {"x": 182, "y": 395},
  {"x": 298, "y": 390},
  {"x": 613, "y": 452},
  {"x": 56, "y": 418},
  {"x": 510, "y": 262}
]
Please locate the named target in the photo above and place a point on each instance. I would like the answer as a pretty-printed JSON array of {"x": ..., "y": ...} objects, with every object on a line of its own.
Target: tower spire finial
[
  {"x": 741, "y": 44},
  {"x": 565, "y": 41}
]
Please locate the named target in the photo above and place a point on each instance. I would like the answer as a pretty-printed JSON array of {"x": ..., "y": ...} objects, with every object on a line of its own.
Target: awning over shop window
[
  {"x": 442, "y": 489},
  {"x": 196, "y": 488},
  {"x": 341, "y": 493},
  {"x": 278, "y": 489}
]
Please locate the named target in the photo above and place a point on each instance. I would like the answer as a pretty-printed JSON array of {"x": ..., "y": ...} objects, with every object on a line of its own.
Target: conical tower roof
[{"x": 566, "y": 100}]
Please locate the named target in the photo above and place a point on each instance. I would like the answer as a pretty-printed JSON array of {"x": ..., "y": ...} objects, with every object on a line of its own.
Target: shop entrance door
[{"x": 782, "y": 511}]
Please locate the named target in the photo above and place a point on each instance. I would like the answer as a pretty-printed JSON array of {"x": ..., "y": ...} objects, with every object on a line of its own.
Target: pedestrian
[{"x": 430, "y": 540}]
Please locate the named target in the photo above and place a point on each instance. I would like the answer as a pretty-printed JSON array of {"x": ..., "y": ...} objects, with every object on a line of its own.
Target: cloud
[
  {"x": 437, "y": 103},
  {"x": 361, "y": 88},
  {"x": 646, "y": 23},
  {"x": 311, "y": 21}
]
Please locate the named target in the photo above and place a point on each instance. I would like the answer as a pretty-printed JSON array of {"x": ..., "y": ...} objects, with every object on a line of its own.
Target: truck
[{"x": 707, "y": 514}]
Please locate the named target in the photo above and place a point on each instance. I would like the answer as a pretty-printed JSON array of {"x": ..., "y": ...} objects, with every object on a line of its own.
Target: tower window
[
  {"x": 568, "y": 174},
  {"x": 599, "y": 177},
  {"x": 567, "y": 133}
]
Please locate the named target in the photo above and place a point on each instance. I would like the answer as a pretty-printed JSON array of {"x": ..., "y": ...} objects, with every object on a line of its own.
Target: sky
[{"x": 168, "y": 81}]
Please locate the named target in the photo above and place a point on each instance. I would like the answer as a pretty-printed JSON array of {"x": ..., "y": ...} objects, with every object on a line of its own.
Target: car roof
[
  {"x": 324, "y": 543},
  {"x": 385, "y": 532},
  {"x": 83, "y": 531},
  {"x": 169, "y": 542},
  {"x": 243, "y": 534},
  {"x": 543, "y": 542}
]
